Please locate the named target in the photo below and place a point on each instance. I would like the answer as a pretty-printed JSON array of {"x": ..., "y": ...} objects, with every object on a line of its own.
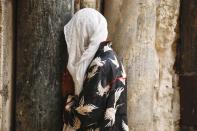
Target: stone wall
[
  {"x": 6, "y": 45},
  {"x": 133, "y": 32},
  {"x": 96, "y": 4},
  {"x": 149, "y": 55},
  {"x": 41, "y": 58},
  {"x": 145, "y": 35},
  {"x": 166, "y": 98},
  {"x": 188, "y": 65}
]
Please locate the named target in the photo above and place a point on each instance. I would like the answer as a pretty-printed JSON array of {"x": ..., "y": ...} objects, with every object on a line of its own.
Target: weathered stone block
[{"x": 41, "y": 56}]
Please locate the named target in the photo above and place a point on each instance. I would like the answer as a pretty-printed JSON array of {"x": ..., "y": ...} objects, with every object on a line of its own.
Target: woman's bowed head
[
  {"x": 94, "y": 83},
  {"x": 83, "y": 34}
]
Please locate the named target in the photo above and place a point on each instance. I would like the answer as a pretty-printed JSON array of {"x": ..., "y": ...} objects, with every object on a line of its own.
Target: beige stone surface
[
  {"x": 166, "y": 100},
  {"x": 144, "y": 35},
  {"x": 132, "y": 29},
  {"x": 79, "y": 4},
  {"x": 112, "y": 11},
  {"x": 6, "y": 40}
]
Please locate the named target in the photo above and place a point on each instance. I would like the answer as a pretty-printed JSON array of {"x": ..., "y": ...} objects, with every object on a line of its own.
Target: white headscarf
[{"x": 83, "y": 33}]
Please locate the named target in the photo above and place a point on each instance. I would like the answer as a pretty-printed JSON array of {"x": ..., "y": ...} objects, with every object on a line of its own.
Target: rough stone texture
[
  {"x": 111, "y": 8},
  {"x": 132, "y": 26},
  {"x": 41, "y": 57},
  {"x": 188, "y": 37},
  {"x": 188, "y": 128},
  {"x": 188, "y": 68},
  {"x": 153, "y": 93},
  {"x": 188, "y": 85},
  {"x": 6, "y": 42},
  {"x": 89, "y": 3},
  {"x": 166, "y": 98},
  {"x": 77, "y": 5},
  {"x": 96, "y": 4}
]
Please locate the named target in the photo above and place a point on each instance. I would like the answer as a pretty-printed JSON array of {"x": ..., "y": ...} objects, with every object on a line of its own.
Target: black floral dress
[{"x": 102, "y": 103}]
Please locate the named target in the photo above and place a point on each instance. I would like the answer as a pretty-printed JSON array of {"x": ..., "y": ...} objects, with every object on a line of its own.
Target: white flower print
[
  {"x": 93, "y": 72},
  {"x": 111, "y": 112},
  {"x": 117, "y": 95},
  {"x": 100, "y": 105},
  {"x": 69, "y": 98},
  {"x": 123, "y": 81},
  {"x": 81, "y": 103},
  {"x": 123, "y": 72},
  {"x": 68, "y": 127},
  {"x": 107, "y": 48},
  {"x": 92, "y": 124},
  {"x": 110, "y": 115},
  {"x": 85, "y": 109},
  {"x": 115, "y": 62},
  {"x": 97, "y": 62},
  {"x": 77, "y": 123},
  {"x": 101, "y": 91},
  {"x": 125, "y": 126}
]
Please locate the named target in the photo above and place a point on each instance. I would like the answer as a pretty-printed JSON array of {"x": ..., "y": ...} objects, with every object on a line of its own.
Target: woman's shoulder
[
  {"x": 107, "y": 55},
  {"x": 106, "y": 51}
]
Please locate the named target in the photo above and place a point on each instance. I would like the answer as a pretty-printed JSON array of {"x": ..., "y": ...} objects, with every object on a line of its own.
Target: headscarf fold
[{"x": 83, "y": 34}]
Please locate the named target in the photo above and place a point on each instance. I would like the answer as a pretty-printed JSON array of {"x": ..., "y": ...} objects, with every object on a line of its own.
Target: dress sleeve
[
  {"x": 87, "y": 109},
  {"x": 69, "y": 114},
  {"x": 115, "y": 116},
  {"x": 102, "y": 102}
]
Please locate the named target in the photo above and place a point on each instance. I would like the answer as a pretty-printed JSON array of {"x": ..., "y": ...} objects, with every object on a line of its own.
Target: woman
[{"x": 98, "y": 102}]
